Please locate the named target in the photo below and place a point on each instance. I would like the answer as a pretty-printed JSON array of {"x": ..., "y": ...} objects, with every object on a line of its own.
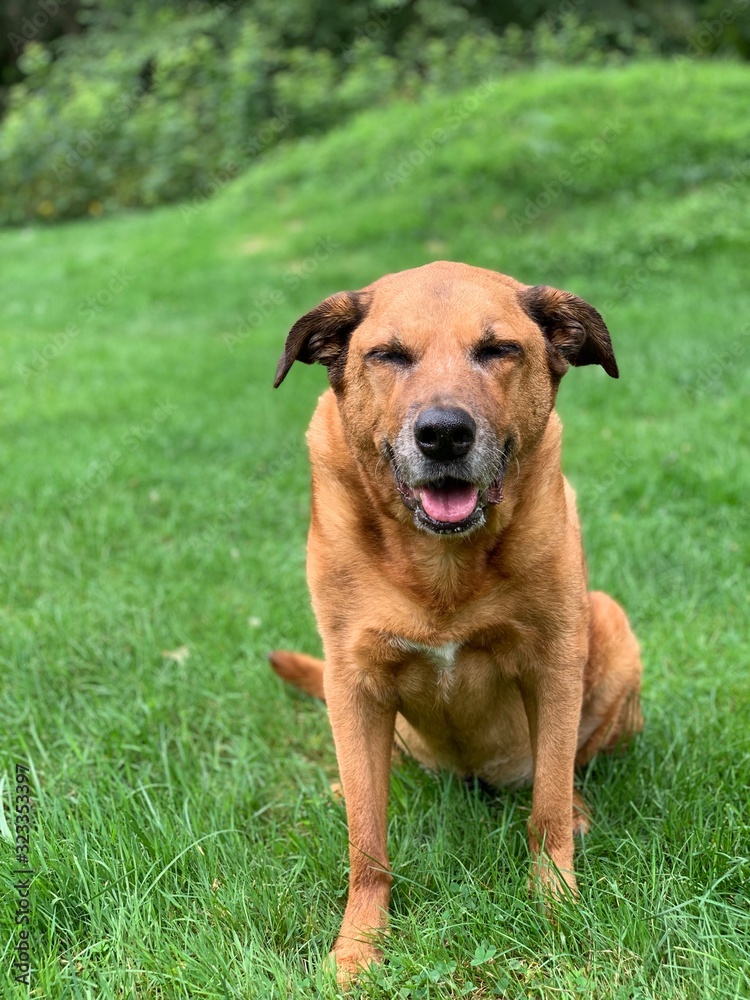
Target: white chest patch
[{"x": 444, "y": 657}]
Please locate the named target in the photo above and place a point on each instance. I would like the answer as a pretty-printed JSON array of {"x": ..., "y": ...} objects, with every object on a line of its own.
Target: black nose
[{"x": 445, "y": 432}]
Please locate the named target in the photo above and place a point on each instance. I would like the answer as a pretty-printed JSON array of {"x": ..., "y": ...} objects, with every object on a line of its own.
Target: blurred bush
[{"x": 160, "y": 102}]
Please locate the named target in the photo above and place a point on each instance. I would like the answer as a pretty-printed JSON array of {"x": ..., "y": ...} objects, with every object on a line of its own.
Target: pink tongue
[{"x": 449, "y": 503}]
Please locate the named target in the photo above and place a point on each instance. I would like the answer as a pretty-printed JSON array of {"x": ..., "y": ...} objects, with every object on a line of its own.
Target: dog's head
[{"x": 447, "y": 371}]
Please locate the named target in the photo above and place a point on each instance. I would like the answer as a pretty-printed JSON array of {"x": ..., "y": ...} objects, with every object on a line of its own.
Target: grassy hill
[{"x": 154, "y": 517}]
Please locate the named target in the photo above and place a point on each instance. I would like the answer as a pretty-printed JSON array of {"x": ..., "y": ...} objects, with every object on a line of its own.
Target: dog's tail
[{"x": 301, "y": 670}]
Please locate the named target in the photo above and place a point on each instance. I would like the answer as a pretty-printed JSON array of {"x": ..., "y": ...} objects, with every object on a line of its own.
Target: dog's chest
[{"x": 443, "y": 659}]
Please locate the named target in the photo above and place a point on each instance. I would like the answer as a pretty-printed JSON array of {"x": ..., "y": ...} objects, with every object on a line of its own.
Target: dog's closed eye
[
  {"x": 391, "y": 354},
  {"x": 489, "y": 350}
]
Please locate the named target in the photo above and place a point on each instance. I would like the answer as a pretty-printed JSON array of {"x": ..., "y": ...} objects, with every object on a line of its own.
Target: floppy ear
[
  {"x": 323, "y": 334},
  {"x": 575, "y": 332}
]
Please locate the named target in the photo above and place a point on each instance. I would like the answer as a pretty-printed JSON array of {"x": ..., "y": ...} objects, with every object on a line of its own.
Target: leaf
[
  {"x": 483, "y": 952},
  {"x": 178, "y": 656}
]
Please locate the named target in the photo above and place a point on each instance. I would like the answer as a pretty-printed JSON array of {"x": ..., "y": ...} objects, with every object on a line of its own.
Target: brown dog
[{"x": 445, "y": 560}]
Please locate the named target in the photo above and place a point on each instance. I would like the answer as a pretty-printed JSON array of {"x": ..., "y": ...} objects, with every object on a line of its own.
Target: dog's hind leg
[
  {"x": 301, "y": 670},
  {"x": 612, "y": 681}
]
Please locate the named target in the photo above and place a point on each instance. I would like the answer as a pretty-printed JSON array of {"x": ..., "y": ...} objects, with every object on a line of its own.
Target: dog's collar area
[{"x": 462, "y": 503}]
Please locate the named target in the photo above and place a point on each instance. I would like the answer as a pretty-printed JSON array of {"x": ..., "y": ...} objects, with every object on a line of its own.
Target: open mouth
[
  {"x": 449, "y": 506},
  {"x": 448, "y": 501}
]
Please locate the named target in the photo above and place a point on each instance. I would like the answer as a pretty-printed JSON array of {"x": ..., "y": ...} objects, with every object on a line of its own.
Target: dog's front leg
[
  {"x": 363, "y": 722},
  {"x": 553, "y": 708}
]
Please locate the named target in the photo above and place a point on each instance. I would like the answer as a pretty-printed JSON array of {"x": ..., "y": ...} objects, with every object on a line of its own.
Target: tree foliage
[{"x": 154, "y": 101}]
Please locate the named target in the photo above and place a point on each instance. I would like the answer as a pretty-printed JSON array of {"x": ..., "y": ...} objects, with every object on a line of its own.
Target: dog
[{"x": 445, "y": 562}]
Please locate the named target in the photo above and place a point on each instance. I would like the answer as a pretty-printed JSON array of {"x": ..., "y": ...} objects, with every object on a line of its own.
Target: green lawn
[{"x": 154, "y": 512}]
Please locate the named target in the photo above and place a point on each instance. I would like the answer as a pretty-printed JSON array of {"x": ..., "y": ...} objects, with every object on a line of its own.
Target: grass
[{"x": 154, "y": 513}]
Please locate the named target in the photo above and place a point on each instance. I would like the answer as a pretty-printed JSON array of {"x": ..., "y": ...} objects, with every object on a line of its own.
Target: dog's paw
[
  {"x": 348, "y": 960},
  {"x": 549, "y": 884},
  {"x": 581, "y": 815}
]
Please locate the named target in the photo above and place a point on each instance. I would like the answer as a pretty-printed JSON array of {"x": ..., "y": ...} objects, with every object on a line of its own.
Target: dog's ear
[
  {"x": 323, "y": 334},
  {"x": 575, "y": 332}
]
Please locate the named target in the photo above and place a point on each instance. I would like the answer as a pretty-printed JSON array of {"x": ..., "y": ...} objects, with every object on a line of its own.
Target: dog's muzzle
[{"x": 447, "y": 470}]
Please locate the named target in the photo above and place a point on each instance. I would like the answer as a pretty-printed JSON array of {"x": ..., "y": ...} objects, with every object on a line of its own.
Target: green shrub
[
  {"x": 121, "y": 121},
  {"x": 162, "y": 104}
]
